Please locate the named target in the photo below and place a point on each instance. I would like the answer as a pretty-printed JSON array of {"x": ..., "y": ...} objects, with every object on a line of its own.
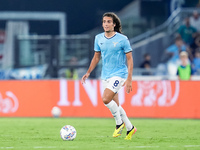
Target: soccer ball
[
  {"x": 68, "y": 133},
  {"x": 56, "y": 112}
]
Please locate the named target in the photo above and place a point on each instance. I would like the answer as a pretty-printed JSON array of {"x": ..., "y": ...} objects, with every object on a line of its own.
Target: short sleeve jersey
[{"x": 113, "y": 52}]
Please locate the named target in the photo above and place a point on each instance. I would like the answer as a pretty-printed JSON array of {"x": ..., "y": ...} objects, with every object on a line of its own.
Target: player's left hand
[
  {"x": 85, "y": 77},
  {"x": 128, "y": 86}
]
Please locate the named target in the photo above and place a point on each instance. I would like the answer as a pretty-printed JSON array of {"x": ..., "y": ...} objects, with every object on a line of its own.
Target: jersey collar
[{"x": 111, "y": 36}]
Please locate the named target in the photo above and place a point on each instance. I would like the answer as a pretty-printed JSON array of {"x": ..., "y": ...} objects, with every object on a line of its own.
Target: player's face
[{"x": 108, "y": 24}]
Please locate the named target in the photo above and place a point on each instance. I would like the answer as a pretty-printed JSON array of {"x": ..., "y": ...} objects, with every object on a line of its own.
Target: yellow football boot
[
  {"x": 119, "y": 130},
  {"x": 130, "y": 134}
]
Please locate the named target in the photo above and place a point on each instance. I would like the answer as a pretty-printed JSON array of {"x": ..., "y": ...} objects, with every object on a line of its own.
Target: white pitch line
[
  {"x": 120, "y": 147},
  {"x": 146, "y": 146},
  {"x": 140, "y": 147},
  {"x": 40, "y": 147},
  {"x": 36, "y": 147},
  {"x": 172, "y": 146},
  {"x": 191, "y": 145}
]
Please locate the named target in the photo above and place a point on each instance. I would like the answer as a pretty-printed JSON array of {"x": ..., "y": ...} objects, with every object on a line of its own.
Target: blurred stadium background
[{"x": 55, "y": 38}]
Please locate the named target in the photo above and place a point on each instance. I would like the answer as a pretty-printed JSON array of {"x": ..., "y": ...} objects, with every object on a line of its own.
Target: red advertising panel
[{"x": 151, "y": 99}]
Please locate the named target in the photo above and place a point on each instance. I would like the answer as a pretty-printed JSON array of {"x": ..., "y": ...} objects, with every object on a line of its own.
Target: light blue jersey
[{"x": 113, "y": 52}]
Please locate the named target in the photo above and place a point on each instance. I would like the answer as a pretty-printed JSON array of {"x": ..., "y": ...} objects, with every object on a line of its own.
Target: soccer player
[{"x": 115, "y": 50}]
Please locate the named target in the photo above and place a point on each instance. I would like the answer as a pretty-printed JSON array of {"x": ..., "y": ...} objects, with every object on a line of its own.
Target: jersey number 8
[{"x": 116, "y": 83}]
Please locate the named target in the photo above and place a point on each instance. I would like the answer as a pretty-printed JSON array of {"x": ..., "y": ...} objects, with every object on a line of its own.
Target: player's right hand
[{"x": 85, "y": 77}]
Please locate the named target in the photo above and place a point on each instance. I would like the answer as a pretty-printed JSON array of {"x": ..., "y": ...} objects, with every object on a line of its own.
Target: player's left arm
[{"x": 128, "y": 82}]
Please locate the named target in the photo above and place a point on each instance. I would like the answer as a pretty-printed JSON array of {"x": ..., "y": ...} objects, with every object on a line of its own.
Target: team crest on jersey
[{"x": 115, "y": 43}]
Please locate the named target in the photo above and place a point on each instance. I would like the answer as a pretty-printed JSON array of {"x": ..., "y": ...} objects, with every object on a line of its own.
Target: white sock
[
  {"x": 125, "y": 119},
  {"x": 114, "y": 108}
]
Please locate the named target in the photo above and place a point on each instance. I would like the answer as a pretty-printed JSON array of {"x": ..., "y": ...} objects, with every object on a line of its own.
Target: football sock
[
  {"x": 114, "y": 108},
  {"x": 125, "y": 119},
  {"x": 129, "y": 130}
]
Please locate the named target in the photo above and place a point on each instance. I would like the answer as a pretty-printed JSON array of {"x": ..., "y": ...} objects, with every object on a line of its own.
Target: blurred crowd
[{"x": 187, "y": 40}]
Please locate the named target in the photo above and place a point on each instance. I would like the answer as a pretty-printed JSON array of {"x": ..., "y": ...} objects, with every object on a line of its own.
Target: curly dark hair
[{"x": 116, "y": 21}]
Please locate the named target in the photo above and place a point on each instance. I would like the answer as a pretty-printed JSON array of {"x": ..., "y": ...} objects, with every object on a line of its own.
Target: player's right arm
[{"x": 94, "y": 62}]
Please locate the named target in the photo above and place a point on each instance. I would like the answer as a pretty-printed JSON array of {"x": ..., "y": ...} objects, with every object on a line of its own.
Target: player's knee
[{"x": 106, "y": 100}]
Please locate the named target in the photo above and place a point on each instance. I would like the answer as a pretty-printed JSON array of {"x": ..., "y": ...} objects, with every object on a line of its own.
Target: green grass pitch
[{"x": 96, "y": 134}]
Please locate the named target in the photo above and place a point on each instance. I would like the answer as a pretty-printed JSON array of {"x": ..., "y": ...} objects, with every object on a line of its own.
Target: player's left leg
[
  {"x": 114, "y": 108},
  {"x": 130, "y": 128}
]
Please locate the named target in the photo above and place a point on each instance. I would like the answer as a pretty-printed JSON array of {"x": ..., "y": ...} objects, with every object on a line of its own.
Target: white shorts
[{"x": 113, "y": 83}]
